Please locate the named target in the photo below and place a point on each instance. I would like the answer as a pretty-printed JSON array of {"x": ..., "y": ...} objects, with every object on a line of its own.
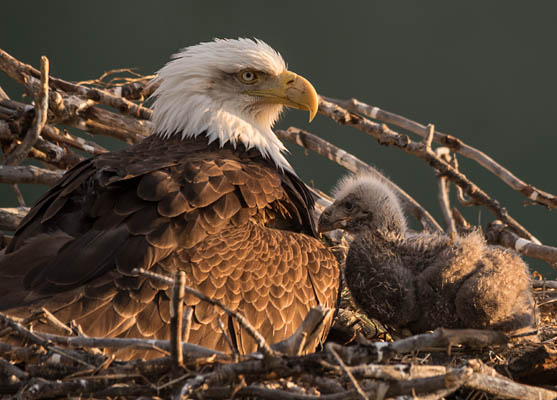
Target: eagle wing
[{"x": 229, "y": 220}]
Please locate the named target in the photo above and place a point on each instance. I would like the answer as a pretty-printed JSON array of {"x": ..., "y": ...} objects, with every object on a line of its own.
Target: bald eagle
[{"x": 209, "y": 192}]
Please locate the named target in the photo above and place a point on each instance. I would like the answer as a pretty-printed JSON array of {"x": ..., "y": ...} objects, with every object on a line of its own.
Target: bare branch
[
  {"x": 41, "y": 111},
  {"x": 331, "y": 349},
  {"x": 193, "y": 351},
  {"x": 543, "y": 284},
  {"x": 388, "y": 137},
  {"x": 29, "y": 174},
  {"x": 322, "y": 147},
  {"x": 34, "y": 338},
  {"x": 498, "y": 233},
  {"x": 19, "y": 71},
  {"x": 176, "y": 315},
  {"x": 10, "y": 218},
  {"x": 444, "y": 202},
  {"x": 547, "y": 199}
]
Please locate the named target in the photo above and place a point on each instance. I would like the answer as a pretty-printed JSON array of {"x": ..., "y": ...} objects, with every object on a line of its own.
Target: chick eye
[
  {"x": 348, "y": 205},
  {"x": 247, "y": 76}
]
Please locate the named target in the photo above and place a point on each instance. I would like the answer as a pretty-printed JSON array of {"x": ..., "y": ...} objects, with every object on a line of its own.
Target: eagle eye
[
  {"x": 247, "y": 76},
  {"x": 348, "y": 205}
]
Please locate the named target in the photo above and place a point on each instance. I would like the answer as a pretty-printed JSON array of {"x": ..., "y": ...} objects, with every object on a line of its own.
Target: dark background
[{"x": 482, "y": 71}]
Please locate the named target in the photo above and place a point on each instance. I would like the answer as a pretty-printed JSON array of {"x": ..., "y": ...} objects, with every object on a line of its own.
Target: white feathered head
[{"x": 232, "y": 91}]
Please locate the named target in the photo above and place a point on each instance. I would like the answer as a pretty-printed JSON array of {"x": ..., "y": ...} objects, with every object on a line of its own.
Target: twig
[
  {"x": 331, "y": 349},
  {"x": 449, "y": 337},
  {"x": 498, "y": 233},
  {"x": 233, "y": 349},
  {"x": 10, "y": 218},
  {"x": 312, "y": 142},
  {"x": 547, "y": 199},
  {"x": 429, "y": 138},
  {"x": 34, "y": 338},
  {"x": 18, "y": 196},
  {"x": 18, "y": 71},
  {"x": 444, "y": 203},
  {"x": 43, "y": 150},
  {"x": 52, "y": 133},
  {"x": 312, "y": 326},
  {"x": 102, "y": 122},
  {"x": 8, "y": 369},
  {"x": 176, "y": 315},
  {"x": 544, "y": 284},
  {"x": 163, "y": 346},
  {"x": 29, "y": 174},
  {"x": 461, "y": 224},
  {"x": 244, "y": 323},
  {"x": 443, "y": 186},
  {"x": 388, "y": 137},
  {"x": 384, "y": 351},
  {"x": 3, "y": 94},
  {"x": 186, "y": 323},
  {"x": 41, "y": 111},
  {"x": 490, "y": 381}
]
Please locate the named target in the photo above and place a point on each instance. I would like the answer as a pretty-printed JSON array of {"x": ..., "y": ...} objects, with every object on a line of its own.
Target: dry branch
[
  {"x": 458, "y": 146},
  {"x": 41, "y": 111},
  {"x": 176, "y": 315},
  {"x": 388, "y": 137},
  {"x": 29, "y": 174},
  {"x": 20, "y": 71},
  {"x": 163, "y": 346},
  {"x": 498, "y": 233},
  {"x": 10, "y": 218},
  {"x": 322, "y": 147}
]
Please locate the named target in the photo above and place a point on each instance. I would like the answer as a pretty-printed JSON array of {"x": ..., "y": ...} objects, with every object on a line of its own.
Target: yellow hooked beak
[{"x": 289, "y": 89}]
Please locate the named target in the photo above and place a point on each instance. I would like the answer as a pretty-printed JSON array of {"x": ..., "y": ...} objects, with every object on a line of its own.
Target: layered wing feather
[{"x": 226, "y": 217}]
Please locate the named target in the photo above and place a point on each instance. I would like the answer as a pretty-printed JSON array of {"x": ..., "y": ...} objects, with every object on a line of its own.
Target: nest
[{"x": 361, "y": 359}]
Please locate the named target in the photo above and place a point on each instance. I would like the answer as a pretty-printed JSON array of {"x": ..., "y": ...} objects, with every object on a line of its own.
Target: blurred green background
[{"x": 482, "y": 71}]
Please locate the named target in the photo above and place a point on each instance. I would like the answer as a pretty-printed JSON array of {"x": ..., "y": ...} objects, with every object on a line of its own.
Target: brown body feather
[{"x": 240, "y": 229}]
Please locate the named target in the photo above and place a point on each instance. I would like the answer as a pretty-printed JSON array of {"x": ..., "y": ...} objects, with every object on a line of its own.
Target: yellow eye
[{"x": 247, "y": 76}]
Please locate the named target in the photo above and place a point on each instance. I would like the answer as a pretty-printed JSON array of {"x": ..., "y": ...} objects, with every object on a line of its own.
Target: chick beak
[{"x": 328, "y": 222}]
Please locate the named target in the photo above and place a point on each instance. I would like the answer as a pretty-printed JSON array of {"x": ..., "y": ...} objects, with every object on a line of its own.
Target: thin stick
[
  {"x": 41, "y": 111},
  {"x": 10, "y": 218},
  {"x": 547, "y": 199},
  {"x": 10, "y": 369},
  {"x": 388, "y": 137},
  {"x": 462, "y": 225},
  {"x": 162, "y": 346},
  {"x": 429, "y": 138},
  {"x": 29, "y": 174},
  {"x": 34, "y": 338},
  {"x": 498, "y": 233},
  {"x": 186, "y": 323},
  {"x": 233, "y": 349},
  {"x": 331, "y": 349},
  {"x": 444, "y": 203},
  {"x": 322, "y": 147},
  {"x": 18, "y": 195},
  {"x": 18, "y": 71},
  {"x": 176, "y": 315},
  {"x": 544, "y": 284}
]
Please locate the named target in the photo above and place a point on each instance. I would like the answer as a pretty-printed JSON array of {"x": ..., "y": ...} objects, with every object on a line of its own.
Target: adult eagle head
[
  {"x": 231, "y": 91},
  {"x": 209, "y": 193}
]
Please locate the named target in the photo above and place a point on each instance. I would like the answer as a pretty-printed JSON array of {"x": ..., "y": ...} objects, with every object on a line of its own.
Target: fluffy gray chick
[{"x": 422, "y": 281}]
